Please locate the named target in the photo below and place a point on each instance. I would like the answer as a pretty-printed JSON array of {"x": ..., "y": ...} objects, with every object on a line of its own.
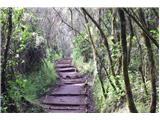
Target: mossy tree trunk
[{"x": 129, "y": 95}]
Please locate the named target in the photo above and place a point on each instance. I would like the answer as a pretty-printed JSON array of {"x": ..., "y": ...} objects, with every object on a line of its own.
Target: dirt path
[{"x": 71, "y": 93}]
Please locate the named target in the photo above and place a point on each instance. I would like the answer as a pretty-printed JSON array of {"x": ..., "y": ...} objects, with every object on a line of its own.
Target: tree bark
[
  {"x": 118, "y": 71},
  {"x": 4, "y": 65},
  {"x": 113, "y": 25},
  {"x": 143, "y": 78},
  {"x": 152, "y": 66},
  {"x": 141, "y": 66},
  {"x": 156, "y": 12},
  {"x": 71, "y": 17},
  {"x": 129, "y": 95},
  {"x": 131, "y": 37}
]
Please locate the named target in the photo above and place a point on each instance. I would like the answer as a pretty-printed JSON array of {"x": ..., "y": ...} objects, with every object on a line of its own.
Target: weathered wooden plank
[
  {"x": 74, "y": 89},
  {"x": 65, "y": 100}
]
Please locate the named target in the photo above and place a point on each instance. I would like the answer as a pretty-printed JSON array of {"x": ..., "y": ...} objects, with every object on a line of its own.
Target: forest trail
[{"x": 71, "y": 94}]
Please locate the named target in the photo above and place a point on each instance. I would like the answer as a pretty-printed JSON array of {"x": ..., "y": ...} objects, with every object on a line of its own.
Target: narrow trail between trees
[{"x": 71, "y": 95}]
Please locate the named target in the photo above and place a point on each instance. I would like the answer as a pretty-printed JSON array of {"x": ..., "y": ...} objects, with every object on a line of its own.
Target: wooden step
[
  {"x": 55, "y": 107},
  {"x": 68, "y": 69},
  {"x": 67, "y": 111},
  {"x": 65, "y": 100},
  {"x": 70, "y": 75},
  {"x": 74, "y": 89},
  {"x": 72, "y": 81},
  {"x": 64, "y": 62},
  {"x": 63, "y": 65}
]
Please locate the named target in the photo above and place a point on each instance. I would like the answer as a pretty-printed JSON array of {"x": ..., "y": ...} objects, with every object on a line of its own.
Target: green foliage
[
  {"x": 155, "y": 33},
  {"x": 82, "y": 54},
  {"x": 140, "y": 97},
  {"x": 116, "y": 51},
  {"x": 32, "y": 86},
  {"x": 98, "y": 96},
  {"x": 40, "y": 81},
  {"x": 53, "y": 55},
  {"x": 25, "y": 89},
  {"x": 82, "y": 47}
]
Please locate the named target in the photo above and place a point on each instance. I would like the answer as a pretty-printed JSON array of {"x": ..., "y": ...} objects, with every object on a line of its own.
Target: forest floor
[{"x": 72, "y": 94}]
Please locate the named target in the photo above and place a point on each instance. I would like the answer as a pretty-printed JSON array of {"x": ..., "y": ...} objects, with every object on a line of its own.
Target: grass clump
[
  {"x": 27, "y": 89},
  {"x": 39, "y": 81}
]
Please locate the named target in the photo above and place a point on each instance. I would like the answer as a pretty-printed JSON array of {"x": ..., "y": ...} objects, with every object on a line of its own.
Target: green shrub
[
  {"x": 98, "y": 96},
  {"x": 32, "y": 86}
]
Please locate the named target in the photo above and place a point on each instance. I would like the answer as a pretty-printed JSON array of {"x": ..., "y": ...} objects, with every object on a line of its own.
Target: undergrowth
[
  {"x": 27, "y": 89},
  {"x": 114, "y": 101}
]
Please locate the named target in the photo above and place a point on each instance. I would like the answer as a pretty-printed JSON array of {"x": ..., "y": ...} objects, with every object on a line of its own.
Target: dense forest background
[{"x": 118, "y": 48}]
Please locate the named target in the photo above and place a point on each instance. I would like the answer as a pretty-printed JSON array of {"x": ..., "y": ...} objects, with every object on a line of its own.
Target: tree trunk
[
  {"x": 100, "y": 24},
  {"x": 131, "y": 37},
  {"x": 141, "y": 66},
  {"x": 142, "y": 28},
  {"x": 106, "y": 45},
  {"x": 152, "y": 66},
  {"x": 143, "y": 78},
  {"x": 4, "y": 65},
  {"x": 95, "y": 55},
  {"x": 118, "y": 71},
  {"x": 113, "y": 25},
  {"x": 156, "y": 12},
  {"x": 71, "y": 17},
  {"x": 129, "y": 95}
]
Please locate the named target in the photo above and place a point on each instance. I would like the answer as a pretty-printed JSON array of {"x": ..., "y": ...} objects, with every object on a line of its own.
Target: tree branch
[{"x": 142, "y": 28}]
